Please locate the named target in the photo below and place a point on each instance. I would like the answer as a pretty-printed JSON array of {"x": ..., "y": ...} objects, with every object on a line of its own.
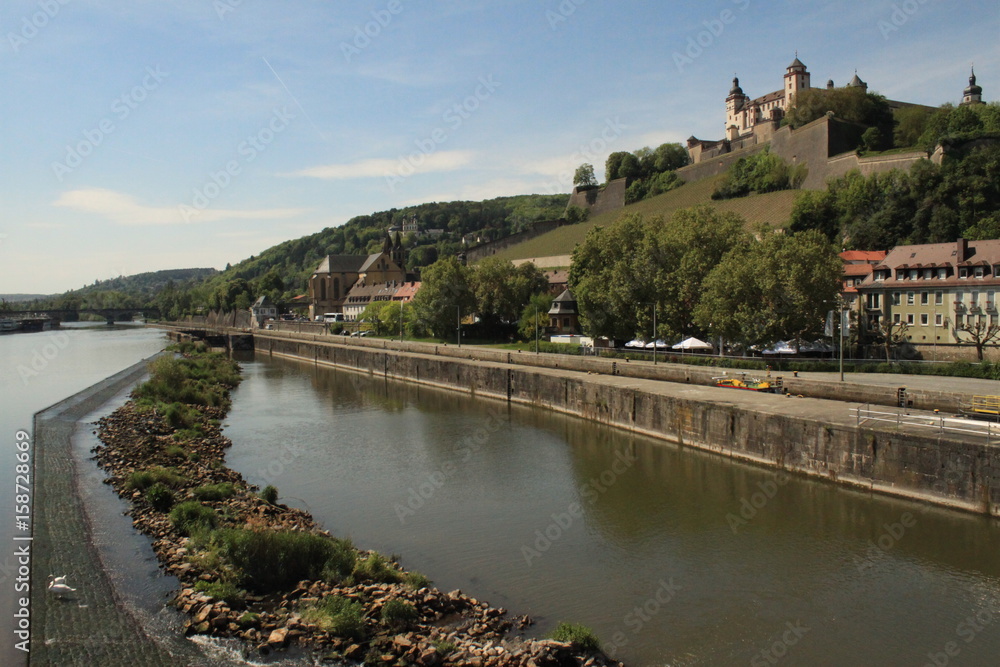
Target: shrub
[
  {"x": 398, "y": 613},
  {"x": 269, "y": 494},
  {"x": 444, "y": 648},
  {"x": 272, "y": 560},
  {"x": 374, "y": 568},
  {"x": 160, "y": 497},
  {"x": 191, "y": 516},
  {"x": 222, "y": 590},
  {"x": 580, "y": 635},
  {"x": 338, "y": 616},
  {"x": 416, "y": 581},
  {"x": 175, "y": 451},
  {"x": 143, "y": 479},
  {"x": 214, "y": 492},
  {"x": 248, "y": 619},
  {"x": 340, "y": 564}
]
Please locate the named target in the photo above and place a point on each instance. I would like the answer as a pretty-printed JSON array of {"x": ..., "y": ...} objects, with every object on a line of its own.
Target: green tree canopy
[
  {"x": 446, "y": 287},
  {"x": 502, "y": 290},
  {"x": 584, "y": 176}
]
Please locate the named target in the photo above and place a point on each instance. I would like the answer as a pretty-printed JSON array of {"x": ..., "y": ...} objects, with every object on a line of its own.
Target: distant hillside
[
  {"x": 17, "y": 298},
  {"x": 122, "y": 292},
  {"x": 774, "y": 208}
]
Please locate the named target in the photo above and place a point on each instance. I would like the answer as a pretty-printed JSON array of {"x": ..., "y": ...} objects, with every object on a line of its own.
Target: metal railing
[{"x": 936, "y": 423}]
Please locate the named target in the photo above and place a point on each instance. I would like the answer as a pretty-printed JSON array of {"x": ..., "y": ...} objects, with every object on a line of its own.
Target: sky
[{"x": 144, "y": 135}]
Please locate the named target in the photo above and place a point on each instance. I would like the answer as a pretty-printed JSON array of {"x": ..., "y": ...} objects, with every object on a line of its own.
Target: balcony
[{"x": 959, "y": 307}]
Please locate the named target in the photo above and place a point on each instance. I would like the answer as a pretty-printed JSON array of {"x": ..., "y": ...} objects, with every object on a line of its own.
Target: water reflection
[{"x": 568, "y": 520}]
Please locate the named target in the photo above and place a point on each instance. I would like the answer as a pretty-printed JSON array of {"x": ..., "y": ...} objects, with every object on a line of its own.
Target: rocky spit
[{"x": 451, "y": 628}]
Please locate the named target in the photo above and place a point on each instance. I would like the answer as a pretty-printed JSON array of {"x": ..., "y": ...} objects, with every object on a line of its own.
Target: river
[
  {"x": 672, "y": 556},
  {"x": 39, "y": 370}
]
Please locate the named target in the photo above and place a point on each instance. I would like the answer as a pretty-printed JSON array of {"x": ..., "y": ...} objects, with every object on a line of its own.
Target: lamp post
[
  {"x": 654, "y": 333},
  {"x": 400, "y": 321},
  {"x": 840, "y": 335},
  {"x": 458, "y": 329},
  {"x": 536, "y": 329}
]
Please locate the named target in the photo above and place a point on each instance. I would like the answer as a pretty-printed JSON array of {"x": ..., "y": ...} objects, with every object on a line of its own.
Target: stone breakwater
[{"x": 448, "y": 628}]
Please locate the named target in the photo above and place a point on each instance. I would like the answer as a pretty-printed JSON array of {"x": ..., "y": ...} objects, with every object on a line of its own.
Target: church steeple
[{"x": 973, "y": 94}]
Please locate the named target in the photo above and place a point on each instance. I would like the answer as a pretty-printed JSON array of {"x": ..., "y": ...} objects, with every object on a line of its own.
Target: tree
[
  {"x": 851, "y": 104},
  {"x": 980, "y": 334},
  {"x": 613, "y": 164},
  {"x": 816, "y": 210},
  {"x": 584, "y": 176},
  {"x": 888, "y": 335},
  {"x": 535, "y": 316},
  {"x": 770, "y": 288},
  {"x": 669, "y": 157},
  {"x": 502, "y": 290},
  {"x": 446, "y": 288}
]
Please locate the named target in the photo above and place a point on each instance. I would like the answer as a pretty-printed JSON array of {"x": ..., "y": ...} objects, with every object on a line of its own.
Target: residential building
[
  {"x": 858, "y": 265},
  {"x": 935, "y": 288},
  {"x": 363, "y": 294},
  {"x": 564, "y": 318},
  {"x": 263, "y": 309}
]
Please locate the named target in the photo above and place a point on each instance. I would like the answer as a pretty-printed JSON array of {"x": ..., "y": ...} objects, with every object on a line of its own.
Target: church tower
[
  {"x": 736, "y": 106},
  {"x": 973, "y": 94},
  {"x": 398, "y": 253},
  {"x": 797, "y": 78}
]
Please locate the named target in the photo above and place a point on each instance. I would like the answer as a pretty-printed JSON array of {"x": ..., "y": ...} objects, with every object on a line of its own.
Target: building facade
[
  {"x": 937, "y": 290},
  {"x": 337, "y": 274}
]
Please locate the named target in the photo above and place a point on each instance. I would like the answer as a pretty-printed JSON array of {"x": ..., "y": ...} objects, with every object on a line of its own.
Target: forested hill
[{"x": 282, "y": 271}]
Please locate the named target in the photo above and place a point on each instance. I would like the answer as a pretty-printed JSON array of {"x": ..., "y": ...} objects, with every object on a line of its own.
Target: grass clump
[
  {"x": 338, "y": 616},
  {"x": 160, "y": 497},
  {"x": 214, "y": 492},
  {"x": 269, "y": 495},
  {"x": 579, "y": 635},
  {"x": 273, "y": 560},
  {"x": 222, "y": 590},
  {"x": 248, "y": 619},
  {"x": 444, "y": 648},
  {"x": 399, "y": 614},
  {"x": 176, "y": 451},
  {"x": 376, "y": 569},
  {"x": 191, "y": 517},
  {"x": 416, "y": 581},
  {"x": 141, "y": 480}
]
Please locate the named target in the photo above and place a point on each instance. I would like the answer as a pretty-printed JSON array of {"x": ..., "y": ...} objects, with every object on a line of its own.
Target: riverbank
[
  {"x": 816, "y": 437},
  {"x": 253, "y": 569}
]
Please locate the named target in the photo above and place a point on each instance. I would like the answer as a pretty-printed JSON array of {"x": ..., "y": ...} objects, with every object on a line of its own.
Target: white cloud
[
  {"x": 125, "y": 210},
  {"x": 380, "y": 168}
]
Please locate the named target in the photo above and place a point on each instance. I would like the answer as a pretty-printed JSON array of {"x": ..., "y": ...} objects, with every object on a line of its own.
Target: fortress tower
[{"x": 973, "y": 94}]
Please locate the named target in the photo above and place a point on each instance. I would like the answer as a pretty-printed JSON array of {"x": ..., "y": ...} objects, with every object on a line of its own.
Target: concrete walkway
[{"x": 91, "y": 627}]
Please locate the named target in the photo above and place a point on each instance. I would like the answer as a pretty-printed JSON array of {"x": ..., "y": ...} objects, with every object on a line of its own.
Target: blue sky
[{"x": 148, "y": 135}]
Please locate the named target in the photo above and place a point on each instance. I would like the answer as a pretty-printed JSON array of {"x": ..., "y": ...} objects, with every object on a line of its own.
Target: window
[
  {"x": 875, "y": 301},
  {"x": 925, "y": 298},
  {"x": 895, "y": 318},
  {"x": 895, "y": 298},
  {"x": 879, "y": 276},
  {"x": 958, "y": 297},
  {"x": 924, "y": 317},
  {"x": 913, "y": 274},
  {"x": 938, "y": 298},
  {"x": 942, "y": 273},
  {"x": 928, "y": 274},
  {"x": 979, "y": 272},
  {"x": 938, "y": 319},
  {"x": 963, "y": 272},
  {"x": 909, "y": 318},
  {"x": 909, "y": 298}
]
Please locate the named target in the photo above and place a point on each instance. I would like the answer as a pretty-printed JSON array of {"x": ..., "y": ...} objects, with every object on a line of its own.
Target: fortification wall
[
  {"x": 493, "y": 247},
  {"x": 713, "y": 165},
  {"x": 611, "y": 197},
  {"x": 959, "y": 474}
]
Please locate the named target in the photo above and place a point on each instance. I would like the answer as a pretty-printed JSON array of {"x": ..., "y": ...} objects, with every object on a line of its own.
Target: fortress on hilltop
[{"x": 827, "y": 145}]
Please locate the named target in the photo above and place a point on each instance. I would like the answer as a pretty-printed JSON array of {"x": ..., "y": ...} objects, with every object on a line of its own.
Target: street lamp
[
  {"x": 654, "y": 333},
  {"x": 458, "y": 329},
  {"x": 536, "y": 328}
]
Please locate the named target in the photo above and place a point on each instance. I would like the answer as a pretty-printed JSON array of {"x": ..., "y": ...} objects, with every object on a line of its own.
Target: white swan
[
  {"x": 60, "y": 590},
  {"x": 57, "y": 580}
]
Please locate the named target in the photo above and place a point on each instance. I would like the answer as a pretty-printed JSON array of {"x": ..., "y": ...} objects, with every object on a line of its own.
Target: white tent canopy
[{"x": 692, "y": 344}]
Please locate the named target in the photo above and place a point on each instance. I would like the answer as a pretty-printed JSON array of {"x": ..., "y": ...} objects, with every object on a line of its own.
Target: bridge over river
[{"x": 111, "y": 315}]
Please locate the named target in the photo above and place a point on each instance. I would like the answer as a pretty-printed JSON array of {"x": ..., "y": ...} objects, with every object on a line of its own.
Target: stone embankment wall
[{"x": 964, "y": 475}]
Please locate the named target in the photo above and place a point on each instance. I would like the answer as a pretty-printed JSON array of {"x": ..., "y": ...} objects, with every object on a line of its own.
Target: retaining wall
[{"x": 773, "y": 433}]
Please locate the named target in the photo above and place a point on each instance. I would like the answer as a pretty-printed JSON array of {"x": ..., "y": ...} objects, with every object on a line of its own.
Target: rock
[
  {"x": 278, "y": 637},
  {"x": 354, "y": 652}
]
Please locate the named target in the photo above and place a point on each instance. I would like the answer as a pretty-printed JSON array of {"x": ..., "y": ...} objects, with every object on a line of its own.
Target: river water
[
  {"x": 39, "y": 370},
  {"x": 672, "y": 556}
]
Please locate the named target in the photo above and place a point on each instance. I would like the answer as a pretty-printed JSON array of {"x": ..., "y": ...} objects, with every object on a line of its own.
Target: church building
[{"x": 337, "y": 274}]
